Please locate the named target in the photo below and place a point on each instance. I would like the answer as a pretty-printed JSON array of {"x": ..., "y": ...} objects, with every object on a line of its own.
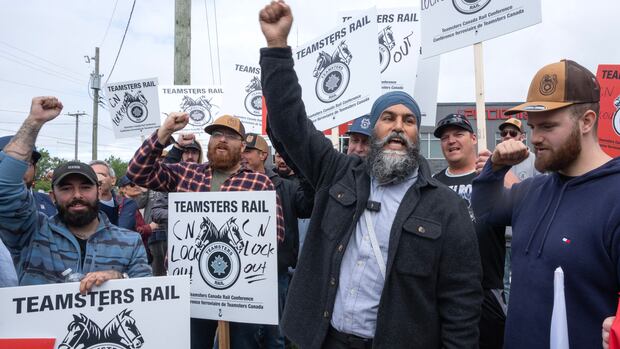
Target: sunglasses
[
  {"x": 455, "y": 120},
  {"x": 513, "y": 133}
]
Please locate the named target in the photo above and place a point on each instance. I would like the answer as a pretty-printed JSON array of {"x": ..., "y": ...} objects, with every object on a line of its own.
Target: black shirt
[
  {"x": 82, "y": 243},
  {"x": 491, "y": 239}
]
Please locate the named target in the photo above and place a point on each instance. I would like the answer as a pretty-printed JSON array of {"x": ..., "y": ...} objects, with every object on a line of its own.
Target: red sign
[
  {"x": 492, "y": 113},
  {"x": 608, "y": 77},
  {"x": 30, "y": 343}
]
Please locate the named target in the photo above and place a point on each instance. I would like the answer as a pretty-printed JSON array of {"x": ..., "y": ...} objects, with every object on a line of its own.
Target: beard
[
  {"x": 77, "y": 219},
  {"x": 392, "y": 165},
  {"x": 226, "y": 161},
  {"x": 559, "y": 159}
]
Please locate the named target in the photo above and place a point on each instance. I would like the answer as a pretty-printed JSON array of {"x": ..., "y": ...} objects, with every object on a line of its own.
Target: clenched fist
[
  {"x": 175, "y": 121},
  {"x": 44, "y": 109},
  {"x": 509, "y": 153},
  {"x": 275, "y": 22}
]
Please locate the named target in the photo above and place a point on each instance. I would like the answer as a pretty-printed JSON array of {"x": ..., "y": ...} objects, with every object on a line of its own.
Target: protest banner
[
  {"x": 244, "y": 94},
  {"x": 134, "y": 107},
  {"x": 120, "y": 314},
  {"x": 608, "y": 77},
  {"x": 399, "y": 42},
  {"x": 339, "y": 72},
  {"x": 226, "y": 242},
  {"x": 450, "y": 25},
  {"x": 202, "y": 103}
]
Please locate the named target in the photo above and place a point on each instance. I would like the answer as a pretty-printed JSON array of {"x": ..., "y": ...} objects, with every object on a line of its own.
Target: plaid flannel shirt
[{"x": 146, "y": 171}]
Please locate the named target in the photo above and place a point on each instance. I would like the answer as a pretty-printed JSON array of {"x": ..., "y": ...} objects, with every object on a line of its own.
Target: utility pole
[
  {"x": 77, "y": 115},
  {"x": 182, "y": 42},
  {"x": 95, "y": 85}
]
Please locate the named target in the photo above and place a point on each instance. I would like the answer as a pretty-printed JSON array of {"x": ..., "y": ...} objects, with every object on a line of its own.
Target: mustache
[
  {"x": 222, "y": 145},
  {"x": 400, "y": 136},
  {"x": 79, "y": 202}
]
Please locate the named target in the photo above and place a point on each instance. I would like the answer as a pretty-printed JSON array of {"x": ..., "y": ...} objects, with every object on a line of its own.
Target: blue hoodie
[{"x": 573, "y": 224}]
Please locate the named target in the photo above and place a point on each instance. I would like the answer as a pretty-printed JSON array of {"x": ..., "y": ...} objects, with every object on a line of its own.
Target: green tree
[
  {"x": 45, "y": 164},
  {"x": 119, "y": 166}
]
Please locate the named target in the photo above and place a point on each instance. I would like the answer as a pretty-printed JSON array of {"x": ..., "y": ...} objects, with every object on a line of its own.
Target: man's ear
[
  {"x": 243, "y": 146},
  {"x": 587, "y": 122},
  {"x": 263, "y": 156},
  {"x": 52, "y": 196}
]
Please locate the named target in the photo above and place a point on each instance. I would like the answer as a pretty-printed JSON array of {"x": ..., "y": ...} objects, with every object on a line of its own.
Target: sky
[{"x": 43, "y": 46}]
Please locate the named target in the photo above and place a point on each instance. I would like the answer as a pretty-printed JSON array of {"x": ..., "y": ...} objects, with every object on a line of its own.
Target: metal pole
[{"x": 96, "y": 86}]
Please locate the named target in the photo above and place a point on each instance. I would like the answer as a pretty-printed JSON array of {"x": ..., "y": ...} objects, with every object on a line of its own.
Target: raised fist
[
  {"x": 483, "y": 156},
  {"x": 186, "y": 139},
  {"x": 174, "y": 122},
  {"x": 509, "y": 153},
  {"x": 275, "y": 22},
  {"x": 44, "y": 109}
]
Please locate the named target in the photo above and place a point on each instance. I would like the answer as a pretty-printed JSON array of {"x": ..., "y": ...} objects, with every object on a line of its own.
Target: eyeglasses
[
  {"x": 229, "y": 136},
  {"x": 513, "y": 133}
]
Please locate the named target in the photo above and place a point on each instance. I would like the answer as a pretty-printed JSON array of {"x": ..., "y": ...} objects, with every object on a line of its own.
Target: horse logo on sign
[
  {"x": 219, "y": 261},
  {"x": 386, "y": 44},
  {"x": 332, "y": 73},
  {"x": 199, "y": 110},
  {"x": 254, "y": 99},
  {"x": 135, "y": 107},
  {"x": 120, "y": 333},
  {"x": 616, "y": 117}
]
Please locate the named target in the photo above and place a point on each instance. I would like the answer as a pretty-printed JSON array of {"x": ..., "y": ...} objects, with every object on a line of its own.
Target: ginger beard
[
  {"x": 223, "y": 160},
  {"x": 558, "y": 159}
]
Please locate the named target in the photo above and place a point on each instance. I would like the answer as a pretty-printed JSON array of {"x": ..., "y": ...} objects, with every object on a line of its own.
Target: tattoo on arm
[{"x": 20, "y": 147}]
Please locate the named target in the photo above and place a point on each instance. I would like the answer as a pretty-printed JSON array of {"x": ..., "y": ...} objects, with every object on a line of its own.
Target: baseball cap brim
[
  {"x": 64, "y": 175},
  {"x": 535, "y": 107},
  {"x": 212, "y": 127}
]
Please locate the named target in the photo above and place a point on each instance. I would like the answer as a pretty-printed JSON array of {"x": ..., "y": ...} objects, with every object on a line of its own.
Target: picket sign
[{"x": 481, "y": 124}]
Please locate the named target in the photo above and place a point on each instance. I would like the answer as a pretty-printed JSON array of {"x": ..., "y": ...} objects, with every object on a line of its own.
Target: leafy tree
[
  {"x": 45, "y": 164},
  {"x": 119, "y": 166}
]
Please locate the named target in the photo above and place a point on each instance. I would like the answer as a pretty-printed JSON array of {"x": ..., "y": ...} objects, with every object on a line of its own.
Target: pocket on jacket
[
  {"x": 339, "y": 211},
  {"x": 418, "y": 249}
]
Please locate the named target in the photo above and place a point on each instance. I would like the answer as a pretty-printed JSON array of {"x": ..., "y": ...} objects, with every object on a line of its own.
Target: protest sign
[
  {"x": 202, "y": 103},
  {"x": 244, "y": 94},
  {"x": 120, "y": 314},
  {"x": 226, "y": 242},
  {"x": 608, "y": 77},
  {"x": 450, "y": 25},
  {"x": 399, "y": 42},
  {"x": 134, "y": 107},
  {"x": 339, "y": 72}
]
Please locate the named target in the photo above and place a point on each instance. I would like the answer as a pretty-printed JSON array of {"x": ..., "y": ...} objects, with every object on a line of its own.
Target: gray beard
[{"x": 390, "y": 165}]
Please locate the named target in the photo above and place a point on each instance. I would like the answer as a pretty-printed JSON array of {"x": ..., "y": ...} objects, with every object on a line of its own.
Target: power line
[
  {"x": 109, "y": 23},
  {"x": 122, "y": 42},
  {"x": 39, "y": 65},
  {"x": 217, "y": 41},
  {"x": 39, "y": 57},
  {"x": 209, "y": 39},
  {"x": 41, "y": 88},
  {"x": 75, "y": 81}
]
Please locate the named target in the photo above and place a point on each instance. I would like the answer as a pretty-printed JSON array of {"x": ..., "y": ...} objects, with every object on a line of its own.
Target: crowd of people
[{"x": 394, "y": 256}]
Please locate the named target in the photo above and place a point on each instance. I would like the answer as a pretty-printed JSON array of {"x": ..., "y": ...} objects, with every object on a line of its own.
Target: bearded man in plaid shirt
[{"x": 223, "y": 172}]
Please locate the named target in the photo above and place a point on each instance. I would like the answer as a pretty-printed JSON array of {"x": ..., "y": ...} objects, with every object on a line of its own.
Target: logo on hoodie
[
  {"x": 199, "y": 110},
  {"x": 219, "y": 263},
  {"x": 332, "y": 73},
  {"x": 120, "y": 333}
]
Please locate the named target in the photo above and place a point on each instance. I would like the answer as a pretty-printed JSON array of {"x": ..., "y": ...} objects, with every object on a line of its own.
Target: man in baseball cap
[
  {"x": 79, "y": 238},
  {"x": 359, "y": 136},
  {"x": 222, "y": 172},
  {"x": 390, "y": 259},
  {"x": 566, "y": 223}
]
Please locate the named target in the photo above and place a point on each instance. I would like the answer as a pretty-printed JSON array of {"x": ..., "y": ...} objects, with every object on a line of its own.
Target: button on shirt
[{"x": 361, "y": 283}]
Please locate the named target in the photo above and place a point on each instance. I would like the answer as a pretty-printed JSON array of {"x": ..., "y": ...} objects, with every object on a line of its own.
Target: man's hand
[
  {"x": 483, "y": 156},
  {"x": 509, "y": 153},
  {"x": 606, "y": 329},
  {"x": 98, "y": 278},
  {"x": 185, "y": 139},
  {"x": 174, "y": 122},
  {"x": 44, "y": 109},
  {"x": 153, "y": 225},
  {"x": 275, "y": 22}
]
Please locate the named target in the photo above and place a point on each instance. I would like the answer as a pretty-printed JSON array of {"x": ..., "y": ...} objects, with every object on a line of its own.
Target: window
[{"x": 430, "y": 147}]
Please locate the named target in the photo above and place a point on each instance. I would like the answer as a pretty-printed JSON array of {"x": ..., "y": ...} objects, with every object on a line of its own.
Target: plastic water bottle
[{"x": 70, "y": 276}]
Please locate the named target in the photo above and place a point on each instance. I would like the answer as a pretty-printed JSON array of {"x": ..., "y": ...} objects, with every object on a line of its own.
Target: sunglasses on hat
[{"x": 452, "y": 120}]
